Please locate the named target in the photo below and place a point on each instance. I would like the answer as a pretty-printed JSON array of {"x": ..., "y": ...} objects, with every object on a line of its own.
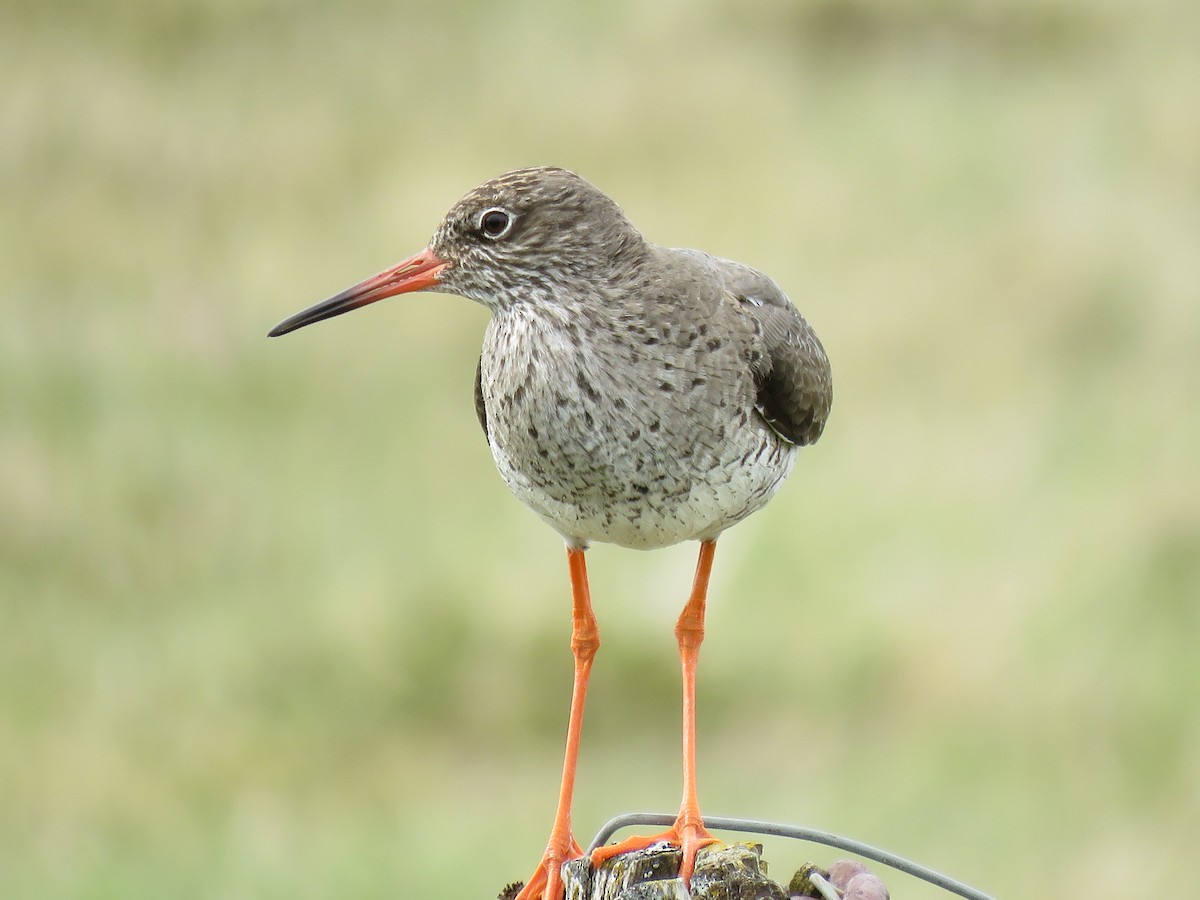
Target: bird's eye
[{"x": 495, "y": 223}]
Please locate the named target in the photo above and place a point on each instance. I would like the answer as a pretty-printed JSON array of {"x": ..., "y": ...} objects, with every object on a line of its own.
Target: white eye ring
[{"x": 495, "y": 223}]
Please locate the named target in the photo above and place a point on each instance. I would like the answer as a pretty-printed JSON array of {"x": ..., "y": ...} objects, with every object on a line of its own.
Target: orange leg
[
  {"x": 688, "y": 831},
  {"x": 546, "y": 881}
]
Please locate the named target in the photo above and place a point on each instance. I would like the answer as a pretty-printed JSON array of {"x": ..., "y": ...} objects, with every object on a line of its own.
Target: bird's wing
[
  {"x": 791, "y": 371},
  {"x": 480, "y": 408}
]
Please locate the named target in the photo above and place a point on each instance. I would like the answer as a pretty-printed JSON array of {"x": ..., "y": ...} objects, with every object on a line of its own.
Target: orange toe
[
  {"x": 689, "y": 834},
  {"x": 603, "y": 854},
  {"x": 692, "y": 836},
  {"x": 546, "y": 881},
  {"x": 535, "y": 887}
]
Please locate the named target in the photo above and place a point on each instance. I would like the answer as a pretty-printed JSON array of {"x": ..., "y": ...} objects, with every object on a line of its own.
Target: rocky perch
[{"x": 723, "y": 872}]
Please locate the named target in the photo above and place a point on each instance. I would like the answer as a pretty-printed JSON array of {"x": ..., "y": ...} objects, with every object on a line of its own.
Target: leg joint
[
  {"x": 689, "y": 630},
  {"x": 585, "y": 643}
]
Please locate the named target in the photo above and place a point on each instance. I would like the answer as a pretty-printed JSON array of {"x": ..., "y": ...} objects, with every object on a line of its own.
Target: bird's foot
[
  {"x": 546, "y": 881},
  {"x": 688, "y": 833}
]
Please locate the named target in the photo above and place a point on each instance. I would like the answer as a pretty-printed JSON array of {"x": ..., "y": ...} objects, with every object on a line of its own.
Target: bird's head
[{"x": 530, "y": 235}]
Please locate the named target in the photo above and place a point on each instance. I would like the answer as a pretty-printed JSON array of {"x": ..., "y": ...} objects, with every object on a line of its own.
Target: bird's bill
[{"x": 416, "y": 273}]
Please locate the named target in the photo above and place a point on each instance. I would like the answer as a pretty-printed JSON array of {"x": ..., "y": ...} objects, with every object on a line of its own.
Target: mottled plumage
[{"x": 630, "y": 393}]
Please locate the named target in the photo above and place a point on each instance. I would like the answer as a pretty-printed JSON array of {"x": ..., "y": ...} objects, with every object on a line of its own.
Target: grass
[{"x": 273, "y": 627}]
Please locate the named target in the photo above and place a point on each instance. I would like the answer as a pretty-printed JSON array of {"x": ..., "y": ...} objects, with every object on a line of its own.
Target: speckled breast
[{"x": 620, "y": 441}]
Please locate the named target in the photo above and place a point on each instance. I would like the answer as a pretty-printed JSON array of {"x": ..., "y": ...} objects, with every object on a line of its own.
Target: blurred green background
[{"x": 273, "y": 627}]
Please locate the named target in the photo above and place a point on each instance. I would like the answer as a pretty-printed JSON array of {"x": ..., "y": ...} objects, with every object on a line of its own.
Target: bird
[{"x": 631, "y": 394}]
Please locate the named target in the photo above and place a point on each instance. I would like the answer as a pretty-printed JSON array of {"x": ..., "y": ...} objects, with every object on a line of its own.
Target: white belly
[{"x": 674, "y": 509}]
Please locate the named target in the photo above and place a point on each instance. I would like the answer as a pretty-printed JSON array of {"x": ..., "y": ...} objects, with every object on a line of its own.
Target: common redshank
[{"x": 630, "y": 393}]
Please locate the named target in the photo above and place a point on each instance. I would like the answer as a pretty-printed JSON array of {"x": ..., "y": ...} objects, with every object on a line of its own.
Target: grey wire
[{"x": 799, "y": 832}]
